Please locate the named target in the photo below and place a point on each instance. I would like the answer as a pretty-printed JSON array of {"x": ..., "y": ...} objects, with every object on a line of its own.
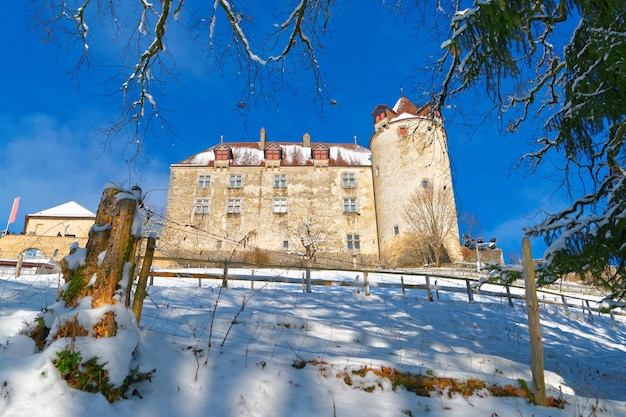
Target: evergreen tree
[{"x": 561, "y": 62}]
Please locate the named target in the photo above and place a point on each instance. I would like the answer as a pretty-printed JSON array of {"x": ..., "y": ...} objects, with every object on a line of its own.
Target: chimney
[
  {"x": 262, "y": 140},
  {"x": 306, "y": 140}
]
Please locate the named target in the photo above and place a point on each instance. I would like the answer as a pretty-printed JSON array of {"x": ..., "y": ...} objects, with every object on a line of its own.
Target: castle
[{"x": 275, "y": 202}]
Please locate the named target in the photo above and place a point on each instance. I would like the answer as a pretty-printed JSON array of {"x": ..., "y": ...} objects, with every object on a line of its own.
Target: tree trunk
[
  {"x": 140, "y": 292},
  {"x": 109, "y": 256},
  {"x": 118, "y": 252}
]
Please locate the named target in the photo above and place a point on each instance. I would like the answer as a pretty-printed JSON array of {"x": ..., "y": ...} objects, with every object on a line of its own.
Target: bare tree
[
  {"x": 268, "y": 44},
  {"x": 431, "y": 214},
  {"x": 310, "y": 236}
]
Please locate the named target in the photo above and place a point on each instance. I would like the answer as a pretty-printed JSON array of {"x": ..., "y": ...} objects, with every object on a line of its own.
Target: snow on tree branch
[
  {"x": 144, "y": 28},
  {"x": 559, "y": 64}
]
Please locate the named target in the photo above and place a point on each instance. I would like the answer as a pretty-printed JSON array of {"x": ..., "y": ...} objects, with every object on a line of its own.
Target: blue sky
[{"x": 50, "y": 152}]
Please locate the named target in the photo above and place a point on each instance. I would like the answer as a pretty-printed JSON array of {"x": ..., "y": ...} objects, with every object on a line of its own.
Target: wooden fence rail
[{"x": 363, "y": 282}]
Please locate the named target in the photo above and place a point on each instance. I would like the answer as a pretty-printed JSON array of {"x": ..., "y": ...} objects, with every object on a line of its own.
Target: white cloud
[{"x": 49, "y": 162}]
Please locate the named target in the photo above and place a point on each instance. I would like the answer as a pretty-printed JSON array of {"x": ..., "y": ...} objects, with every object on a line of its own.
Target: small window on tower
[
  {"x": 396, "y": 230},
  {"x": 402, "y": 130}
]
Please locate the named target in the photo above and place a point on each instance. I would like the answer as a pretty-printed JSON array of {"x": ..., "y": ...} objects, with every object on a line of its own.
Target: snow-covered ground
[{"x": 232, "y": 353}]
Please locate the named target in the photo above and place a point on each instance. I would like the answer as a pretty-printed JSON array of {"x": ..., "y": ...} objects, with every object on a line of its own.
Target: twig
[
  {"x": 243, "y": 306},
  {"x": 217, "y": 301}
]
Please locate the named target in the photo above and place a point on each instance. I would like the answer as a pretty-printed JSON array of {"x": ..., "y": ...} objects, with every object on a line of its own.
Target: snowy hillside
[{"x": 276, "y": 351}]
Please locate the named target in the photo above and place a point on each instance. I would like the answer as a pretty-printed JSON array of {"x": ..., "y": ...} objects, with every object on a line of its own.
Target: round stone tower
[{"x": 409, "y": 153}]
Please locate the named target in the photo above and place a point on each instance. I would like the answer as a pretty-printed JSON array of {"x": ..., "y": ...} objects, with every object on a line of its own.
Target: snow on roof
[
  {"x": 397, "y": 105},
  {"x": 70, "y": 209},
  {"x": 294, "y": 154}
]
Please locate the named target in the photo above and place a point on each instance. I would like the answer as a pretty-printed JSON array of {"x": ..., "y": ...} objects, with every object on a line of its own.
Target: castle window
[
  {"x": 349, "y": 205},
  {"x": 273, "y": 153},
  {"x": 285, "y": 245},
  {"x": 279, "y": 205},
  {"x": 320, "y": 153},
  {"x": 201, "y": 206},
  {"x": 234, "y": 206},
  {"x": 402, "y": 130},
  {"x": 33, "y": 253},
  {"x": 235, "y": 181},
  {"x": 223, "y": 154},
  {"x": 218, "y": 244},
  {"x": 354, "y": 242},
  {"x": 204, "y": 181},
  {"x": 396, "y": 230},
  {"x": 280, "y": 181},
  {"x": 348, "y": 179},
  {"x": 425, "y": 183}
]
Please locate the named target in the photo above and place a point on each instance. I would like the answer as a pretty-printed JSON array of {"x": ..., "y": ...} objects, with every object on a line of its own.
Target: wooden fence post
[
  {"x": 402, "y": 282},
  {"x": 470, "y": 296},
  {"x": 357, "y": 285},
  {"x": 428, "y": 291},
  {"x": 140, "y": 292},
  {"x": 564, "y": 303},
  {"x": 366, "y": 283},
  {"x": 508, "y": 295},
  {"x": 225, "y": 275},
  {"x": 534, "y": 325},
  {"x": 18, "y": 265},
  {"x": 307, "y": 278}
]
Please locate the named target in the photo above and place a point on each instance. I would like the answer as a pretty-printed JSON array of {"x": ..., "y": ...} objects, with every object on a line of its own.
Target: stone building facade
[
  {"x": 262, "y": 201},
  {"x": 49, "y": 233}
]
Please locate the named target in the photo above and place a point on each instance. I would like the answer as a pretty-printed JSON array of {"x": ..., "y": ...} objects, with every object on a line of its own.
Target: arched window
[{"x": 33, "y": 253}]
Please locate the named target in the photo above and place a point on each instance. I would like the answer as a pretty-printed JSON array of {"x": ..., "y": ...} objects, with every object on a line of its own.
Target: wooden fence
[{"x": 432, "y": 283}]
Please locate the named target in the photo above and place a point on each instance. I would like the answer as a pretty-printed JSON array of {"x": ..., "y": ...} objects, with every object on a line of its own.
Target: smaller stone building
[
  {"x": 49, "y": 233},
  {"x": 68, "y": 220}
]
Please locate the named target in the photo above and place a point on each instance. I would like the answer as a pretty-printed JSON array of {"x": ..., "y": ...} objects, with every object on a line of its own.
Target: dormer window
[
  {"x": 223, "y": 154},
  {"x": 273, "y": 154},
  {"x": 320, "y": 152}
]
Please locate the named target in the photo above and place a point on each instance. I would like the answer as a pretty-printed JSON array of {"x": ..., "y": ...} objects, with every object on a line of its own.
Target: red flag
[{"x": 16, "y": 204}]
